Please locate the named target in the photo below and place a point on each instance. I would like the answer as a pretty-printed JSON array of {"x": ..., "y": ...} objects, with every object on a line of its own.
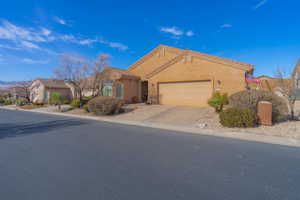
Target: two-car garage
[{"x": 188, "y": 93}]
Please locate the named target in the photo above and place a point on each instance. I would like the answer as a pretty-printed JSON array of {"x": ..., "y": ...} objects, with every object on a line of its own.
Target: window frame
[{"x": 121, "y": 87}]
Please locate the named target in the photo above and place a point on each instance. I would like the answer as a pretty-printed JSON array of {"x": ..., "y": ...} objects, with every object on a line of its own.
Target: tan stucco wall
[
  {"x": 231, "y": 79},
  {"x": 160, "y": 57},
  {"x": 130, "y": 89}
]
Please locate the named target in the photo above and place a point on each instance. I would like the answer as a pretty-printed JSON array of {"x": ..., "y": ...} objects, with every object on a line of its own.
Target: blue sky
[{"x": 33, "y": 33}]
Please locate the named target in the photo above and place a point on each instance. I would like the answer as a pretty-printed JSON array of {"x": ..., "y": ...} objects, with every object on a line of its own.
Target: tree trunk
[{"x": 292, "y": 112}]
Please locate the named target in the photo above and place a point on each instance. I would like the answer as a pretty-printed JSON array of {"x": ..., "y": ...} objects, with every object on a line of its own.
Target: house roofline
[{"x": 229, "y": 62}]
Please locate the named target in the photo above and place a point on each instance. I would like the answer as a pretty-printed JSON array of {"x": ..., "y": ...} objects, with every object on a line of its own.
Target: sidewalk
[{"x": 226, "y": 134}]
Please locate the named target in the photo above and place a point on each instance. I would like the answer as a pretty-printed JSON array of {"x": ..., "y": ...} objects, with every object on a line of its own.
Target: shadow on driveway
[{"x": 21, "y": 129}]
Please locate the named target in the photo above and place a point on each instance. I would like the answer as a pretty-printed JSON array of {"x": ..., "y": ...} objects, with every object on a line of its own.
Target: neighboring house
[
  {"x": 20, "y": 92},
  {"x": 272, "y": 84},
  {"x": 41, "y": 90},
  {"x": 173, "y": 76}
]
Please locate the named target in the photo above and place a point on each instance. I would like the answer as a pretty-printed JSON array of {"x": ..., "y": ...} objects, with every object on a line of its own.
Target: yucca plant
[{"x": 218, "y": 100}]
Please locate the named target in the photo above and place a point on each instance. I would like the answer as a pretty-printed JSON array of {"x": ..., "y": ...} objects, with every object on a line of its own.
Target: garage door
[{"x": 185, "y": 93}]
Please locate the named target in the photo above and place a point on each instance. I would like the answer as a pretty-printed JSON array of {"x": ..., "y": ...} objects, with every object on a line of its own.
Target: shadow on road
[{"x": 17, "y": 129}]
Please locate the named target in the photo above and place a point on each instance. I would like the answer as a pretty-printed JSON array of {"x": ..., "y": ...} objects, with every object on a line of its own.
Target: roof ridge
[{"x": 151, "y": 53}]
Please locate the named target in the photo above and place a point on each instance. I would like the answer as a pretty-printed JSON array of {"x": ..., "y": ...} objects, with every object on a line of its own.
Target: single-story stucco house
[
  {"x": 174, "y": 76},
  {"x": 41, "y": 90}
]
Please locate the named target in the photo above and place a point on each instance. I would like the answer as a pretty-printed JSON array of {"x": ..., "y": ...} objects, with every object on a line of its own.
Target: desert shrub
[
  {"x": 21, "y": 102},
  {"x": 217, "y": 101},
  {"x": 66, "y": 101},
  {"x": 249, "y": 99},
  {"x": 235, "y": 117},
  {"x": 2, "y": 99},
  {"x": 104, "y": 105},
  {"x": 8, "y": 102},
  {"x": 86, "y": 108},
  {"x": 37, "y": 103},
  {"x": 56, "y": 99},
  {"x": 134, "y": 99},
  {"x": 75, "y": 103},
  {"x": 85, "y": 100}
]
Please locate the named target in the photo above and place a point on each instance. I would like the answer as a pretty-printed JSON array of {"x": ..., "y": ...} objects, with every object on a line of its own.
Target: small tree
[
  {"x": 74, "y": 71},
  {"x": 287, "y": 89},
  {"x": 99, "y": 65},
  {"x": 56, "y": 99},
  {"x": 22, "y": 90},
  {"x": 218, "y": 101}
]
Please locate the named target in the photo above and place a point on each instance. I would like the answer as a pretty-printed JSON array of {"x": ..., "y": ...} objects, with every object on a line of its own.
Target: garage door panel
[{"x": 185, "y": 93}]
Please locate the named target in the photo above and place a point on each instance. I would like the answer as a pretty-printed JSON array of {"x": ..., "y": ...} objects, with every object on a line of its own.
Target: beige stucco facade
[
  {"x": 130, "y": 89},
  {"x": 167, "y": 64}
]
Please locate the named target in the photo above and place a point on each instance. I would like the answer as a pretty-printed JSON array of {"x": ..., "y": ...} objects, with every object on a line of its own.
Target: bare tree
[
  {"x": 99, "y": 65},
  {"x": 287, "y": 89},
  {"x": 24, "y": 90},
  {"x": 74, "y": 71}
]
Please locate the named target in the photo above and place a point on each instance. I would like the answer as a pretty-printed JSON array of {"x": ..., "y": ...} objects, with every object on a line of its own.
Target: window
[
  {"x": 46, "y": 95},
  {"x": 119, "y": 90},
  {"x": 107, "y": 89}
]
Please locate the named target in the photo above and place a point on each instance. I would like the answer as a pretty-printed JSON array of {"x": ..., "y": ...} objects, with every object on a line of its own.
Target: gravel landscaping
[{"x": 200, "y": 117}]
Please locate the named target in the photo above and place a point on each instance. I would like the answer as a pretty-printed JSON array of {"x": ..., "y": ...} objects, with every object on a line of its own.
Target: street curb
[{"x": 233, "y": 135}]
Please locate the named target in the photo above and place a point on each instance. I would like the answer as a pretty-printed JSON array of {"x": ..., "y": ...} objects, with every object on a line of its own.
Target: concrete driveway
[
  {"x": 171, "y": 115},
  {"x": 50, "y": 157}
]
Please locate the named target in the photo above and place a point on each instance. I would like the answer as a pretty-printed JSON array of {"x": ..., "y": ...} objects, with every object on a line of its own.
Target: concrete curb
[{"x": 234, "y": 135}]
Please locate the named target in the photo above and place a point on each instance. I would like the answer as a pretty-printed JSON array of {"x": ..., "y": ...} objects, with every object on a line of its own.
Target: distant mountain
[{"x": 9, "y": 84}]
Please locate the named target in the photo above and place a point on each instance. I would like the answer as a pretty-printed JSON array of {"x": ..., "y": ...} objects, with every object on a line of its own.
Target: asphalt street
[{"x": 59, "y": 158}]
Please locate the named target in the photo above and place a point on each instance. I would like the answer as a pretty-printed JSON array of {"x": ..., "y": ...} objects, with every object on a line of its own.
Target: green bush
[
  {"x": 104, "y": 105},
  {"x": 75, "y": 103},
  {"x": 234, "y": 117},
  {"x": 21, "y": 102},
  {"x": 249, "y": 99},
  {"x": 218, "y": 101},
  {"x": 86, "y": 108},
  {"x": 2, "y": 99},
  {"x": 8, "y": 102},
  {"x": 66, "y": 101},
  {"x": 56, "y": 99}
]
